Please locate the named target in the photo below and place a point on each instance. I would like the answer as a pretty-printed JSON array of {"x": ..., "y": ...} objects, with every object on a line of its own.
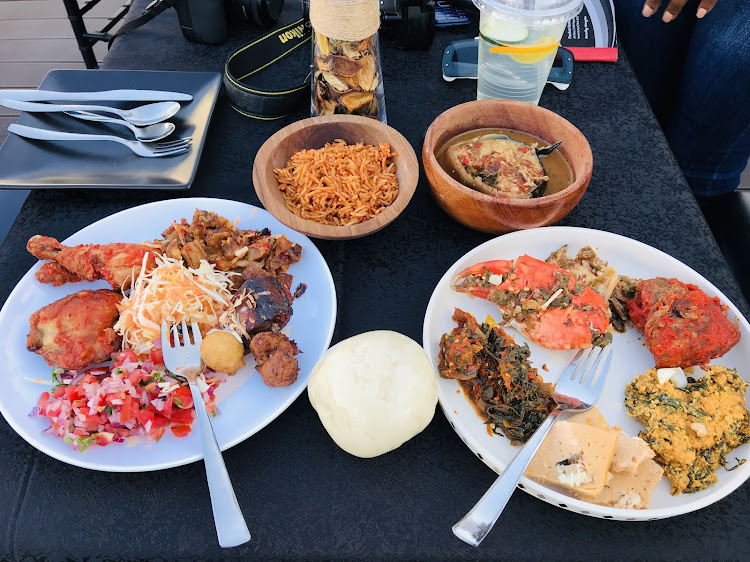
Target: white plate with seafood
[
  {"x": 631, "y": 358},
  {"x": 245, "y": 403}
]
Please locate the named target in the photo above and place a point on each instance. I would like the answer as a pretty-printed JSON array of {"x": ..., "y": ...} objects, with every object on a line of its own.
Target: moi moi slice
[
  {"x": 579, "y": 451},
  {"x": 630, "y": 451},
  {"x": 574, "y": 456},
  {"x": 633, "y": 474},
  {"x": 630, "y": 491},
  {"x": 373, "y": 392}
]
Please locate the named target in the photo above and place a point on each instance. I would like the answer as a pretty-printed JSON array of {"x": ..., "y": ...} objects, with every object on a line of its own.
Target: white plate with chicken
[
  {"x": 510, "y": 387},
  {"x": 94, "y": 296}
]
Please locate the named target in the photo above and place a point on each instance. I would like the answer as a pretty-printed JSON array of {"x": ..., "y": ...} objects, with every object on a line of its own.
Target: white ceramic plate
[
  {"x": 631, "y": 358},
  {"x": 246, "y": 404}
]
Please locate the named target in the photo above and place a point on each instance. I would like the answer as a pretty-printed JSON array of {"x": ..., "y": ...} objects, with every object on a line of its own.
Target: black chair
[{"x": 85, "y": 39}]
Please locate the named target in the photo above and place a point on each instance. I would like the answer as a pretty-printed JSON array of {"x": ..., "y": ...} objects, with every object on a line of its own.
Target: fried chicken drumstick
[
  {"x": 115, "y": 263},
  {"x": 52, "y": 272},
  {"x": 76, "y": 330}
]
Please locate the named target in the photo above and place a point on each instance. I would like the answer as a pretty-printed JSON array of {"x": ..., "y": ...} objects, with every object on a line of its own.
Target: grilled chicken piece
[
  {"x": 682, "y": 324},
  {"x": 262, "y": 304},
  {"x": 115, "y": 263},
  {"x": 77, "y": 330}
]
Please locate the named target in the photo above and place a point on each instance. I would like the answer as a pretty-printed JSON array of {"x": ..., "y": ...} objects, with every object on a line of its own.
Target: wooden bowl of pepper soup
[{"x": 568, "y": 175}]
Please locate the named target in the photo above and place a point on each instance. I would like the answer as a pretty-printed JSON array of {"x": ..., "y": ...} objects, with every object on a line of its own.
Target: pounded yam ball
[
  {"x": 373, "y": 392},
  {"x": 222, "y": 352}
]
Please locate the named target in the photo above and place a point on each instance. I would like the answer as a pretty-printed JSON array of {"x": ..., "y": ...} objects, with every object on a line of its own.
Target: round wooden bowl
[
  {"x": 314, "y": 133},
  {"x": 496, "y": 215}
]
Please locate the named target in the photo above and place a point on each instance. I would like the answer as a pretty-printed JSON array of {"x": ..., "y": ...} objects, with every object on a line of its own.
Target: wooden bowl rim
[
  {"x": 581, "y": 179},
  {"x": 331, "y": 232}
]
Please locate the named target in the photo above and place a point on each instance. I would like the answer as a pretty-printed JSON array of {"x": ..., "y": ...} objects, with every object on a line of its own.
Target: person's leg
[
  {"x": 656, "y": 50},
  {"x": 710, "y": 128}
]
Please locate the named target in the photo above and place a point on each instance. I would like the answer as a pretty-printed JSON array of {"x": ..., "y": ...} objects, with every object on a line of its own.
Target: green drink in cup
[{"x": 518, "y": 40}]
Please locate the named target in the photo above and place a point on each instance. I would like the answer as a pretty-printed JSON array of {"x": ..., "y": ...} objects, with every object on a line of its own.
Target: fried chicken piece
[
  {"x": 115, "y": 263},
  {"x": 274, "y": 354},
  {"x": 77, "y": 330},
  {"x": 52, "y": 272},
  {"x": 682, "y": 324}
]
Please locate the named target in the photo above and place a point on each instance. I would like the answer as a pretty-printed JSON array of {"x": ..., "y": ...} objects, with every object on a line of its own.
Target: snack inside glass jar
[{"x": 347, "y": 77}]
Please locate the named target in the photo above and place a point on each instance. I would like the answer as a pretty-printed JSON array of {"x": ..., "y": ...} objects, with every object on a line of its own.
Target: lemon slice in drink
[
  {"x": 502, "y": 32},
  {"x": 530, "y": 58}
]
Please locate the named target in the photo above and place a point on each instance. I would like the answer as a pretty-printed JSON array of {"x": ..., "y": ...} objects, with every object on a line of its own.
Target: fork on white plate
[
  {"x": 183, "y": 358},
  {"x": 578, "y": 389}
]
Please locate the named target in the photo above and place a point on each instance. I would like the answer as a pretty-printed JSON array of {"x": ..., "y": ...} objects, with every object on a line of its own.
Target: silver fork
[
  {"x": 578, "y": 389},
  {"x": 184, "y": 360},
  {"x": 156, "y": 150}
]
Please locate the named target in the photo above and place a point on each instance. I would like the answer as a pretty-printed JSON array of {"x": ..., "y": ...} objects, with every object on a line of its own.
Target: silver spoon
[
  {"x": 142, "y": 115},
  {"x": 151, "y": 133}
]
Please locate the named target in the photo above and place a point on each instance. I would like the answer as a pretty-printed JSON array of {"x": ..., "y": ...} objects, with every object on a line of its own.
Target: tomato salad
[{"x": 130, "y": 398}]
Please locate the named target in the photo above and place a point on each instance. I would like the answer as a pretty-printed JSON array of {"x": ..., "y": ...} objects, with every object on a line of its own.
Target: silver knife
[{"x": 107, "y": 95}]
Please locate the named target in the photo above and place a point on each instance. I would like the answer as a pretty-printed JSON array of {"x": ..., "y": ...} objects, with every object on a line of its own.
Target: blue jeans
[{"x": 696, "y": 75}]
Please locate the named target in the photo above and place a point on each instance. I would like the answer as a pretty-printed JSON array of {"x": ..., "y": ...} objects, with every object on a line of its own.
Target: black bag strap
[
  {"x": 249, "y": 60},
  {"x": 260, "y": 54},
  {"x": 152, "y": 10}
]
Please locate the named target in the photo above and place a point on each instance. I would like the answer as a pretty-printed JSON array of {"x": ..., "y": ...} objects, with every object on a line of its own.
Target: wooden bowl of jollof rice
[{"x": 315, "y": 133}]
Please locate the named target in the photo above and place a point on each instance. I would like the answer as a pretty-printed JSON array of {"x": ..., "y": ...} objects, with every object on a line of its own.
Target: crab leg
[
  {"x": 480, "y": 279},
  {"x": 530, "y": 273}
]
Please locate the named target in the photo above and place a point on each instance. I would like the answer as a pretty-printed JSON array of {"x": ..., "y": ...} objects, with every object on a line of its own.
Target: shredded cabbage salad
[{"x": 173, "y": 292}]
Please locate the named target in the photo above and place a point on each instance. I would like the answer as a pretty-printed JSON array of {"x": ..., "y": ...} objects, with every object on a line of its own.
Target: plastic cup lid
[{"x": 531, "y": 11}]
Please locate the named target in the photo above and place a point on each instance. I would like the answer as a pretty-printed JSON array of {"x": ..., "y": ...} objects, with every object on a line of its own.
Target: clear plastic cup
[{"x": 519, "y": 23}]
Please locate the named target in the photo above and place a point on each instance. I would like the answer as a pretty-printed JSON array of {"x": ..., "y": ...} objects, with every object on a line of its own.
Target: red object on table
[{"x": 599, "y": 54}]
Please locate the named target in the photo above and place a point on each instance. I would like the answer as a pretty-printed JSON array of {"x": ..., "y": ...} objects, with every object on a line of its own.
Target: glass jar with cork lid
[{"x": 347, "y": 77}]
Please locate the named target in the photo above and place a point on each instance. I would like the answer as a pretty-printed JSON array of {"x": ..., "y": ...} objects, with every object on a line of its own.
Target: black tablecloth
[{"x": 302, "y": 496}]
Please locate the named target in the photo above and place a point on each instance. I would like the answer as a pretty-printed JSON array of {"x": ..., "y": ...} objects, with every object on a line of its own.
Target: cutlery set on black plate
[{"x": 148, "y": 123}]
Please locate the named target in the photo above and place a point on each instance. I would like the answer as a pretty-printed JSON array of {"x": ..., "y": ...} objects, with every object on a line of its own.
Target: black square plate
[{"x": 33, "y": 164}]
